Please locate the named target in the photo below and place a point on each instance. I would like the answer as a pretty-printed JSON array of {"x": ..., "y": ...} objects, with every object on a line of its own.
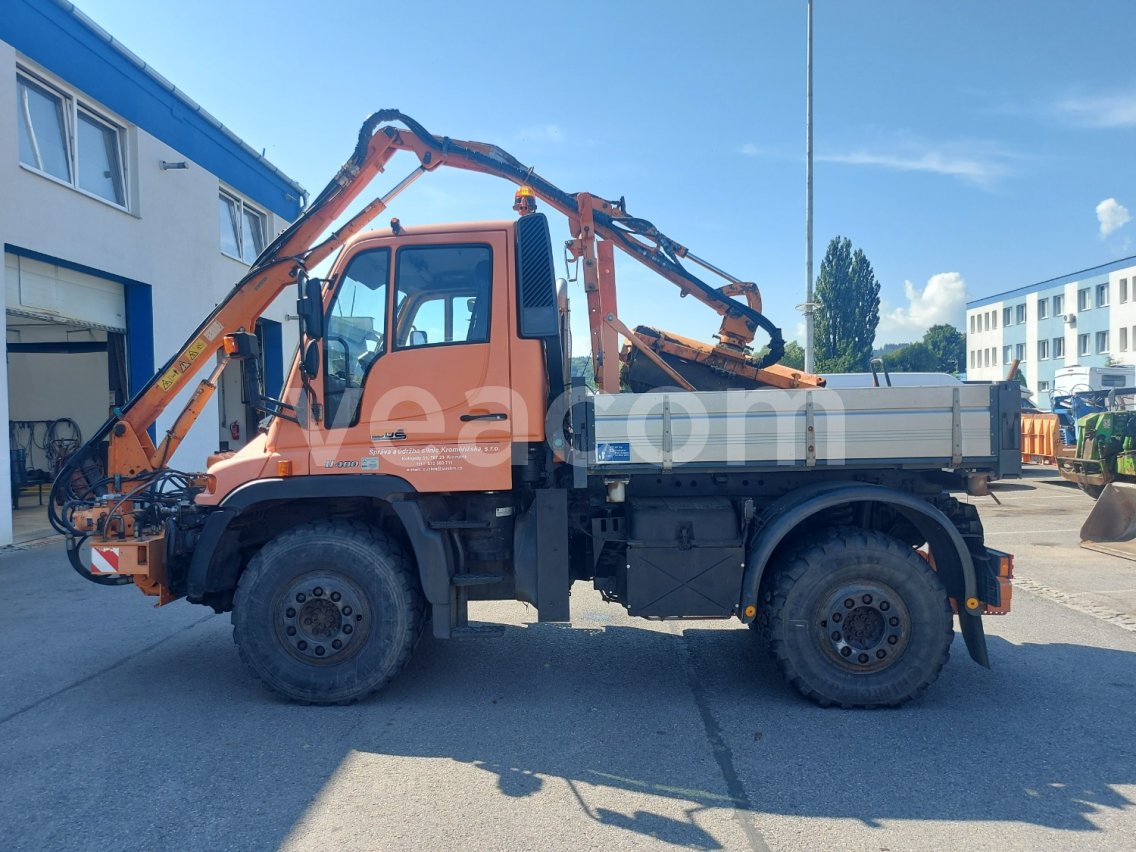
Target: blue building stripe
[{"x": 1086, "y": 276}]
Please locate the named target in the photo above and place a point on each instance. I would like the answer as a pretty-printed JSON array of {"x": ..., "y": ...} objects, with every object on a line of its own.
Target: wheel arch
[
  {"x": 217, "y": 561},
  {"x": 776, "y": 525}
]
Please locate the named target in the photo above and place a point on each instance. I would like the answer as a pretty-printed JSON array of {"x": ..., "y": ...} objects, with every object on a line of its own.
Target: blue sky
[{"x": 967, "y": 147}]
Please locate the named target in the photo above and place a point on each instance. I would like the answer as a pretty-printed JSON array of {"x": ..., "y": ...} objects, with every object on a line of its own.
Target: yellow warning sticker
[
  {"x": 195, "y": 349},
  {"x": 167, "y": 381}
]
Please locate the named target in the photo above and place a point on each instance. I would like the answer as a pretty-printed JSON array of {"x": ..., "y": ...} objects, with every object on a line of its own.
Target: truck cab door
[{"x": 420, "y": 390}]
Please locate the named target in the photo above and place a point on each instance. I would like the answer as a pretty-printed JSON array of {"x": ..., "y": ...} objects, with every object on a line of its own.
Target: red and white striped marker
[{"x": 104, "y": 560}]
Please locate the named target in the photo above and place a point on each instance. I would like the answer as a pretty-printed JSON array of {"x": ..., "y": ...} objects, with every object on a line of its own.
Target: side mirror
[
  {"x": 310, "y": 307},
  {"x": 310, "y": 362},
  {"x": 418, "y": 338}
]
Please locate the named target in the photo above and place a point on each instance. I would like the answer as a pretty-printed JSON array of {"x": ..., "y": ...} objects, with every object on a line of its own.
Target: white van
[{"x": 1074, "y": 379}]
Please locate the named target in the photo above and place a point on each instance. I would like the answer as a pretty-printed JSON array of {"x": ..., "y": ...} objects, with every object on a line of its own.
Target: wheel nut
[
  {"x": 291, "y": 613},
  {"x": 835, "y": 635},
  {"x": 866, "y": 599},
  {"x": 893, "y": 621},
  {"x": 880, "y": 654},
  {"x": 302, "y": 645},
  {"x": 319, "y": 650},
  {"x": 836, "y": 616},
  {"x": 863, "y": 658},
  {"x": 892, "y": 640},
  {"x": 335, "y": 596},
  {"x": 347, "y": 628},
  {"x": 318, "y": 592},
  {"x": 337, "y": 644},
  {"x": 291, "y": 631},
  {"x": 347, "y": 610},
  {"x": 301, "y": 597},
  {"x": 884, "y": 606},
  {"x": 846, "y": 651},
  {"x": 849, "y": 603}
]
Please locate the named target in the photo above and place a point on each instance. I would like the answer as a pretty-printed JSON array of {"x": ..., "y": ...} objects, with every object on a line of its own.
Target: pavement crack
[
  {"x": 102, "y": 671},
  {"x": 723, "y": 756}
]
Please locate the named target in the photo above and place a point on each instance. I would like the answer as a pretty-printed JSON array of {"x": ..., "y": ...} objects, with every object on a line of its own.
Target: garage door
[{"x": 54, "y": 293}]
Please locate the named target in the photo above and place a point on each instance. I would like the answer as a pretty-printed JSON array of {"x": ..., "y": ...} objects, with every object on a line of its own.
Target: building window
[
  {"x": 973, "y": 358},
  {"x": 67, "y": 140},
  {"x": 1005, "y": 317},
  {"x": 242, "y": 228},
  {"x": 1005, "y": 354},
  {"x": 1042, "y": 308},
  {"x": 1043, "y": 350},
  {"x": 1020, "y": 351},
  {"x": 1102, "y": 341},
  {"x": 1082, "y": 344},
  {"x": 1059, "y": 347},
  {"x": 1123, "y": 290},
  {"x": 1058, "y": 305},
  {"x": 994, "y": 356},
  {"x": 1042, "y": 386},
  {"x": 1021, "y": 313},
  {"x": 1124, "y": 339},
  {"x": 1102, "y": 295},
  {"x": 987, "y": 322},
  {"x": 1083, "y": 296},
  {"x": 973, "y": 322}
]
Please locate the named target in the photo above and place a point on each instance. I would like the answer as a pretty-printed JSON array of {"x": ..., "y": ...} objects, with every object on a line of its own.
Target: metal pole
[{"x": 809, "y": 367}]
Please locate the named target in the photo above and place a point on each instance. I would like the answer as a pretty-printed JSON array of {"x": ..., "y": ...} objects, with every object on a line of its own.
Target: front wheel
[
  {"x": 328, "y": 612},
  {"x": 857, "y": 619}
]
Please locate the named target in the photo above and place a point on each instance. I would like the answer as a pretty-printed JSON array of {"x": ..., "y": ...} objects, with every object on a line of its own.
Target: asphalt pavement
[{"x": 127, "y": 727}]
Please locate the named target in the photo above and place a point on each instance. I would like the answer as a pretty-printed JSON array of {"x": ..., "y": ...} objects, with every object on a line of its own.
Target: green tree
[
  {"x": 849, "y": 309},
  {"x": 949, "y": 346},
  {"x": 913, "y": 358},
  {"x": 794, "y": 355}
]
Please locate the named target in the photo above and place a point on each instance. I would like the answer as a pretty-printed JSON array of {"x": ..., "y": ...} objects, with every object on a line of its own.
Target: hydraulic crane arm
[{"x": 133, "y": 456}]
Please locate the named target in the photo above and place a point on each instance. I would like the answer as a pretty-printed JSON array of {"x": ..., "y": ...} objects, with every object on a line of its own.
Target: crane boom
[{"x": 597, "y": 226}]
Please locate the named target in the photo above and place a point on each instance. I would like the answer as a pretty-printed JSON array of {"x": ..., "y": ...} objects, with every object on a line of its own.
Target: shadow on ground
[{"x": 178, "y": 747}]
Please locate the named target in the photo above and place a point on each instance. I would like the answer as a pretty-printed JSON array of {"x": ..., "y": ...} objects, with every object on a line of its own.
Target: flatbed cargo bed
[{"x": 972, "y": 427}]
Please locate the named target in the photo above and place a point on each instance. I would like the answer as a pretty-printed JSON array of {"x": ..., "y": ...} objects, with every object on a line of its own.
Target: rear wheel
[
  {"x": 857, "y": 619},
  {"x": 328, "y": 612}
]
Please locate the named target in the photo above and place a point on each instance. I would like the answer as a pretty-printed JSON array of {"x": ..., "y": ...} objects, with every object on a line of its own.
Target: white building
[
  {"x": 1086, "y": 319},
  {"x": 126, "y": 213}
]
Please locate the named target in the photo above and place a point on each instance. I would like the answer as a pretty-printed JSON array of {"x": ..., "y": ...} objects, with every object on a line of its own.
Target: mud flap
[
  {"x": 975, "y": 637},
  {"x": 1111, "y": 525}
]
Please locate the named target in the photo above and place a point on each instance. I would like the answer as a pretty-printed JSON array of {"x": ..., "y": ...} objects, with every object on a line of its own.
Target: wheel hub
[
  {"x": 864, "y": 627},
  {"x": 322, "y": 618}
]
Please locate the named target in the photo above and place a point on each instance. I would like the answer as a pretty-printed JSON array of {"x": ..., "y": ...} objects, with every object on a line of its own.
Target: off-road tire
[
  {"x": 328, "y": 612},
  {"x": 856, "y": 618}
]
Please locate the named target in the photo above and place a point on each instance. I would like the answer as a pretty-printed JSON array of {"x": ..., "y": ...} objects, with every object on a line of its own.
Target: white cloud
[
  {"x": 1112, "y": 215},
  {"x": 1117, "y": 109},
  {"x": 541, "y": 133},
  {"x": 750, "y": 150},
  {"x": 981, "y": 169},
  {"x": 942, "y": 300}
]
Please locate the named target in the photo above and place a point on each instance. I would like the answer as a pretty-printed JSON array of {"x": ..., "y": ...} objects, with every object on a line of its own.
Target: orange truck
[{"x": 430, "y": 448}]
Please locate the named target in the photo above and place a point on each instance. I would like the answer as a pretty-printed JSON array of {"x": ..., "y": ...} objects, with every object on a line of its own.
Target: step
[
  {"x": 476, "y": 579},
  {"x": 478, "y": 631}
]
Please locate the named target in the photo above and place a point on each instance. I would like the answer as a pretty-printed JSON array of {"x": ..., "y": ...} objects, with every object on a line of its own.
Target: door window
[
  {"x": 356, "y": 334},
  {"x": 443, "y": 295}
]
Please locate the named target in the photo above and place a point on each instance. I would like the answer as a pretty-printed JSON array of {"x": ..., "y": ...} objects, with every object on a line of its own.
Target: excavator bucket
[{"x": 1111, "y": 525}]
